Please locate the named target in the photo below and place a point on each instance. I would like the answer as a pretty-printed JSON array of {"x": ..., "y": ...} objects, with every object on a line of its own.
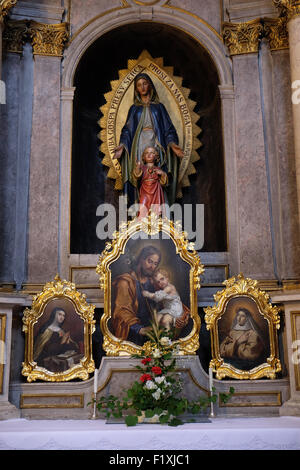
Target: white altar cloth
[{"x": 274, "y": 433}]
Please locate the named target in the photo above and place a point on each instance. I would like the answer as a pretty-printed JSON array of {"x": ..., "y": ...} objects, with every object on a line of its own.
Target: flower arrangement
[{"x": 156, "y": 395}]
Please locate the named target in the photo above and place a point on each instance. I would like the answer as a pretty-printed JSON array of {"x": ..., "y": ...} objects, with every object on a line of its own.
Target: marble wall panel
[
  {"x": 44, "y": 172},
  {"x": 80, "y": 15},
  {"x": 246, "y": 10},
  {"x": 210, "y": 11},
  {"x": 254, "y": 223}
]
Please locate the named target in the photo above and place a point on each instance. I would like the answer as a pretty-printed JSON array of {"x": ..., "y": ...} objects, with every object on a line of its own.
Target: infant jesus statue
[
  {"x": 152, "y": 179},
  {"x": 168, "y": 295}
]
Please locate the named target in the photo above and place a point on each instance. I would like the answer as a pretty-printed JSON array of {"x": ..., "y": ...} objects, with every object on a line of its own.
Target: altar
[{"x": 221, "y": 434}]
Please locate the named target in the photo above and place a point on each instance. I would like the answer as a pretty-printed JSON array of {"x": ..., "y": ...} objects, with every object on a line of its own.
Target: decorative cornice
[
  {"x": 5, "y": 6},
  {"x": 243, "y": 38},
  {"x": 288, "y": 8},
  {"x": 276, "y": 31},
  {"x": 15, "y": 35},
  {"x": 48, "y": 39}
]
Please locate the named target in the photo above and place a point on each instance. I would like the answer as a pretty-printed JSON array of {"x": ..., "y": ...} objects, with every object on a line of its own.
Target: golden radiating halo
[{"x": 171, "y": 94}]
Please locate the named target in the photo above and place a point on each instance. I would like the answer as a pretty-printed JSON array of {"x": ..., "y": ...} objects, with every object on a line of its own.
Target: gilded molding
[
  {"x": 276, "y": 31},
  {"x": 151, "y": 226},
  {"x": 15, "y": 35},
  {"x": 59, "y": 290},
  {"x": 288, "y": 8},
  {"x": 48, "y": 39},
  {"x": 242, "y": 38},
  {"x": 243, "y": 289},
  {"x": 5, "y": 6}
]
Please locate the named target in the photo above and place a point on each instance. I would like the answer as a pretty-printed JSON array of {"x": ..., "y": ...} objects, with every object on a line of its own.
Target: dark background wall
[{"x": 99, "y": 65}]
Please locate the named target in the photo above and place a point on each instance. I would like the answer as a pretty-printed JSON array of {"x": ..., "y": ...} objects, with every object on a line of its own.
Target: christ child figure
[
  {"x": 152, "y": 179},
  {"x": 169, "y": 297}
]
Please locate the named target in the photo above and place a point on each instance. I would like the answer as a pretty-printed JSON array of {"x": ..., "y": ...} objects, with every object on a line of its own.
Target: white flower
[
  {"x": 156, "y": 353},
  {"x": 160, "y": 379},
  {"x": 156, "y": 394},
  {"x": 165, "y": 341},
  {"x": 149, "y": 385}
]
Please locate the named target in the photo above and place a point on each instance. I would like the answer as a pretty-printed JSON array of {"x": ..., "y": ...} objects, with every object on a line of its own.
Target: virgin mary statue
[{"x": 148, "y": 124}]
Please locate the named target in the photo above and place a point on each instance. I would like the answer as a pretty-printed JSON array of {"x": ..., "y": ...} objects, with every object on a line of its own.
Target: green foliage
[{"x": 157, "y": 392}]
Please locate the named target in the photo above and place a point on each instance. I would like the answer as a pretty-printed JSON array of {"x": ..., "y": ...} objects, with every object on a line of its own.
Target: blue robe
[{"x": 165, "y": 134}]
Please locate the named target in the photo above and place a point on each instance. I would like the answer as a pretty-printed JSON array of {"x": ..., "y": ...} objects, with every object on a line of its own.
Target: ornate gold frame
[
  {"x": 235, "y": 288},
  {"x": 294, "y": 316},
  {"x": 151, "y": 226},
  {"x": 58, "y": 289}
]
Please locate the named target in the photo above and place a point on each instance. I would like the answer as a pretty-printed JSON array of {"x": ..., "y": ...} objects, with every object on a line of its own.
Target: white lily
[
  {"x": 165, "y": 341},
  {"x": 150, "y": 385},
  {"x": 156, "y": 353},
  {"x": 156, "y": 394},
  {"x": 160, "y": 379}
]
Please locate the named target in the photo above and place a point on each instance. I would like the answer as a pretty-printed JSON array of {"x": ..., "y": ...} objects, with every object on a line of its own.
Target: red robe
[{"x": 151, "y": 191}]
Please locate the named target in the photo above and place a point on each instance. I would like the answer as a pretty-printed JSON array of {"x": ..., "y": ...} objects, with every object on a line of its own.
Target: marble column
[
  {"x": 291, "y": 8},
  {"x": 67, "y": 97},
  {"x": 8, "y": 304},
  {"x": 2, "y": 84},
  {"x": 291, "y": 302},
  {"x": 44, "y": 190},
  {"x": 44, "y": 172}
]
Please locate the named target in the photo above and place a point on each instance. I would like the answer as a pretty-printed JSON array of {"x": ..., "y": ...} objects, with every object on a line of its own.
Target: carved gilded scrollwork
[
  {"x": 276, "y": 31},
  {"x": 244, "y": 345},
  {"x": 242, "y": 38},
  {"x": 69, "y": 355},
  {"x": 152, "y": 227},
  {"x": 48, "y": 39},
  {"x": 5, "y": 6},
  {"x": 288, "y": 8},
  {"x": 15, "y": 35}
]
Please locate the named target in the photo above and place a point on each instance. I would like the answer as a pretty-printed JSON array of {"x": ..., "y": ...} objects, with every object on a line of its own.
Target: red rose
[
  {"x": 156, "y": 370},
  {"x": 146, "y": 360},
  {"x": 145, "y": 377}
]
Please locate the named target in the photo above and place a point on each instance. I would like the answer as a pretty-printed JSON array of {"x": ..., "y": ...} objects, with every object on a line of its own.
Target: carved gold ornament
[
  {"x": 151, "y": 227},
  {"x": 243, "y": 292},
  {"x": 276, "y": 31},
  {"x": 15, "y": 35},
  {"x": 58, "y": 293},
  {"x": 172, "y": 95},
  {"x": 5, "y": 6},
  {"x": 48, "y": 39},
  {"x": 288, "y": 8},
  {"x": 242, "y": 38}
]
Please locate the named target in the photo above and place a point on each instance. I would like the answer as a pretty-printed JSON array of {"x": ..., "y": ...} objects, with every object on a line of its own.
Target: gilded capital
[
  {"x": 288, "y": 8},
  {"x": 5, "y": 6},
  {"x": 242, "y": 38},
  {"x": 276, "y": 31},
  {"x": 15, "y": 35},
  {"x": 48, "y": 39}
]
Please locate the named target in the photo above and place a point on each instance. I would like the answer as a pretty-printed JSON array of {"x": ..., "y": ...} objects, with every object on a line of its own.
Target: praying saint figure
[
  {"x": 168, "y": 295},
  {"x": 152, "y": 180}
]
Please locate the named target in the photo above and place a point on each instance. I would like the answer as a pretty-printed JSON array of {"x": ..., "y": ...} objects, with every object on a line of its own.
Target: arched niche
[
  {"x": 97, "y": 67},
  {"x": 181, "y": 32}
]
